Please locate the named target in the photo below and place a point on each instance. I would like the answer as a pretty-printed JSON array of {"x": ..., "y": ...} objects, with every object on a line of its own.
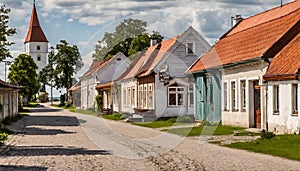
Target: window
[
  {"x": 233, "y": 97},
  {"x": 191, "y": 96},
  {"x": 276, "y": 98},
  {"x": 150, "y": 97},
  {"x": 141, "y": 94},
  {"x": 295, "y": 98},
  {"x": 190, "y": 48},
  {"x": 38, "y": 58},
  {"x": 133, "y": 96},
  {"x": 128, "y": 97},
  {"x": 38, "y": 48},
  {"x": 124, "y": 97},
  {"x": 225, "y": 97},
  {"x": 145, "y": 97},
  {"x": 175, "y": 96},
  {"x": 243, "y": 95}
]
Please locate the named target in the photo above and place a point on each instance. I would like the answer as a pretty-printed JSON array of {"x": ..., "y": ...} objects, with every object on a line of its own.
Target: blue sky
[{"x": 83, "y": 22}]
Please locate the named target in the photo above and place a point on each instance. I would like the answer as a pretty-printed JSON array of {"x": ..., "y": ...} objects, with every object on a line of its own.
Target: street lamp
[
  {"x": 50, "y": 59},
  {"x": 6, "y": 63}
]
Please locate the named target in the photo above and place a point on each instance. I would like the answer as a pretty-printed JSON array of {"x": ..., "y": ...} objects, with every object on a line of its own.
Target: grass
[
  {"x": 165, "y": 122},
  {"x": 33, "y": 104},
  {"x": 205, "y": 130},
  {"x": 115, "y": 116},
  {"x": 86, "y": 112},
  {"x": 287, "y": 146}
]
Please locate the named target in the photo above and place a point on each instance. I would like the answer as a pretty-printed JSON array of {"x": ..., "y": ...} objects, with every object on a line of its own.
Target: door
[{"x": 257, "y": 105}]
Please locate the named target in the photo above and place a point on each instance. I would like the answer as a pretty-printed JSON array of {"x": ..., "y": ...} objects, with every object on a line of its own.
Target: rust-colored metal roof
[
  {"x": 145, "y": 62},
  {"x": 251, "y": 38},
  {"x": 286, "y": 64},
  {"x": 105, "y": 85},
  {"x": 35, "y": 32},
  {"x": 6, "y": 85}
]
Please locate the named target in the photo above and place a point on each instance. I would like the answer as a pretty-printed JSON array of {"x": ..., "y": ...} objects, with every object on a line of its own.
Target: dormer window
[
  {"x": 38, "y": 48},
  {"x": 190, "y": 48},
  {"x": 38, "y": 58}
]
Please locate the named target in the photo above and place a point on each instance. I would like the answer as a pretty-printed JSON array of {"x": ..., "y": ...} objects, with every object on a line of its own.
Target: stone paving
[{"x": 54, "y": 139}]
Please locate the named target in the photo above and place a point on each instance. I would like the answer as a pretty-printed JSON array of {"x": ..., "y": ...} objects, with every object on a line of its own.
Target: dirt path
[{"x": 53, "y": 139}]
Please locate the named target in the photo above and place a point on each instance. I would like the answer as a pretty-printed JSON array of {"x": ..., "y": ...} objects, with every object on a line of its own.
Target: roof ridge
[
  {"x": 227, "y": 35},
  {"x": 261, "y": 13}
]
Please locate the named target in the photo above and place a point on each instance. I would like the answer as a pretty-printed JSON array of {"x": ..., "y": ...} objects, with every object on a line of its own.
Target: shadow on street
[
  {"x": 23, "y": 168},
  {"x": 52, "y": 150}
]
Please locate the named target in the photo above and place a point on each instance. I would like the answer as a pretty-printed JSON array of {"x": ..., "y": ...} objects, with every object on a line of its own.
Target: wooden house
[
  {"x": 156, "y": 83},
  {"x": 229, "y": 77},
  {"x": 8, "y": 100},
  {"x": 101, "y": 72}
]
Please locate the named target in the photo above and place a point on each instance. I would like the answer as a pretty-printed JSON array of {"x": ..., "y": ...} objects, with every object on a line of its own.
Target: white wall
[
  {"x": 88, "y": 92},
  {"x": 125, "y": 85},
  {"x": 249, "y": 73},
  {"x": 284, "y": 121},
  {"x": 31, "y": 49}
]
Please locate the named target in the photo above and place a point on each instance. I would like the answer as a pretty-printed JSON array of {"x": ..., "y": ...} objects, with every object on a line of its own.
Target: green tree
[
  {"x": 120, "y": 39},
  {"x": 23, "y": 73},
  {"x": 67, "y": 62},
  {"x": 5, "y": 32}
]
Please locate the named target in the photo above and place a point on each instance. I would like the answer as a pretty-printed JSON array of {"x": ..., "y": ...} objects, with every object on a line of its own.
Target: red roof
[
  {"x": 35, "y": 32},
  {"x": 251, "y": 38},
  {"x": 144, "y": 64},
  {"x": 286, "y": 64},
  {"x": 106, "y": 85}
]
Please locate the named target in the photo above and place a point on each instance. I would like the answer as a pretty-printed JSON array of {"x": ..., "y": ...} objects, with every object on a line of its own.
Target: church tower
[{"x": 36, "y": 43}]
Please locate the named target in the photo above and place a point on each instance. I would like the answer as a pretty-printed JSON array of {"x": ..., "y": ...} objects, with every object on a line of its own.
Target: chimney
[
  {"x": 237, "y": 19},
  {"x": 153, "y": 42}
]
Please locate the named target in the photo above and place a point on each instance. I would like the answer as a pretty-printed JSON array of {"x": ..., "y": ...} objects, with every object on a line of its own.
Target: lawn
[
  {"x": 205, "y": 130},
  {"x": 166, "y": 122},
  {"x": 287, "y": 146},
  {"x": 115, "y": 116}
]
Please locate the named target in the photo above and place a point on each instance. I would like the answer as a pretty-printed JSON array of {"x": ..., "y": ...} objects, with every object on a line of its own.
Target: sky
[{"x": 84, "y": 22}]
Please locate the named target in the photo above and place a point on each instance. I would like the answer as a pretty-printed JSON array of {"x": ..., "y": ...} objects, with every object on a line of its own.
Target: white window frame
[
  {"x": 150, "y": 95},
  {"x": 276, "y": 101},
  {"x": 141, "y": 94},
  {"x": 191, "y": 96},
  {"x": 243, "y": 94},
  {"x": 132, "y": 96},
  {"x": 187, "y": 48},
  {"x": 295, "y": 99},
  {"x": 176, "y": 92},
  {"x": 128, "y": 97},
  {"x": 225, "y": 96},
  {"x": 124, "y": 97},
  {"x": 233, "y": 96}
]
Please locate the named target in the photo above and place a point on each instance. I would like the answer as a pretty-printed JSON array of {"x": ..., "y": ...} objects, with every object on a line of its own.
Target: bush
[
  {"x": 68, "y": 104},
  {"x": 4, "y": 129},
  {"x": 61, "y": 104},
  {"x": 43, "y": 97},
  {"x": 267, "y": 135},
  {"x": 3, "y": 137}
]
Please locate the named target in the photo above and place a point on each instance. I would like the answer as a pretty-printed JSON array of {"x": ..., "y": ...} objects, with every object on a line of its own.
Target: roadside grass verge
[
  {"x": 33, "y": 104},
  {"x": 287, "y": 146},
  {"x": 204, "y": 129},
  {"x": 167, "y": 122},
  {"x": 114, "y": 116},
  {"x": 85, "y": 111}
]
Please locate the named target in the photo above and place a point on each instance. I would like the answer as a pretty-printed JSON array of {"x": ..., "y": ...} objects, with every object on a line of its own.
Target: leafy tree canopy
[
  {"x": 129, "y": 38},
  {"x": 5, "y": 32},
  {"x": 23, "y": 73},
  {"x": 67, "y": 62}
]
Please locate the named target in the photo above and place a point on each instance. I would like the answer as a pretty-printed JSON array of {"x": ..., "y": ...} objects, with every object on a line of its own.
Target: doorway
[{"x": 257, "y": 104}]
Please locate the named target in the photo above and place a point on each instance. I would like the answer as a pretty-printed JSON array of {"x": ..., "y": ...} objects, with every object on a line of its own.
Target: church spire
[{"x": 35, "y": 32}]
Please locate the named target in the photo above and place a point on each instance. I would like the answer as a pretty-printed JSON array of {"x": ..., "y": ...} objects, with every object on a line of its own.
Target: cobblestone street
[{"x": 54, "y": 139}]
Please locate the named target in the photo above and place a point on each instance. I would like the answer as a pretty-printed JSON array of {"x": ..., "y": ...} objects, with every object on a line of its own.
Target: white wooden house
[
  {"x": 8, "y": 100},
  {"x": 156, "y": 84},
  {"x": 101, "y": 73}
]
